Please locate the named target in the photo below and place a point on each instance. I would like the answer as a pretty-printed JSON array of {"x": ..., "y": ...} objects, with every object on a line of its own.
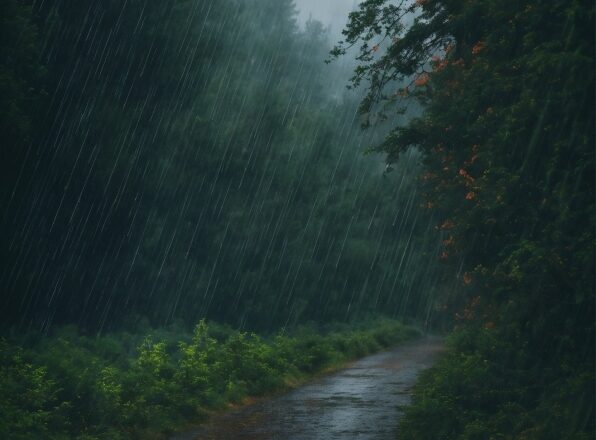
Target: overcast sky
[{"x": 328, "y": 12}]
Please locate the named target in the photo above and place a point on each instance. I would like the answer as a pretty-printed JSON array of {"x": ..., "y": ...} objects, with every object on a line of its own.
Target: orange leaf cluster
[
  {"x": 474, "y": 156},
  {"x": 447, "y": 224},
  {"x": 466, "y": 175},
  {"x": 469, "y": 311},
  {"x": 471, "y": 160},
  {"x": 422, "y": 80},
  {"x": 438, "y": 63},
  {"x": 471, "y": 195},
  {"x": 478, "y": 47}
]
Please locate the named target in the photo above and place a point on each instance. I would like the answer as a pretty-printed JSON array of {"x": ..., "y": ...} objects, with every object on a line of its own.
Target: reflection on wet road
[{"x": 359, "y": 402}]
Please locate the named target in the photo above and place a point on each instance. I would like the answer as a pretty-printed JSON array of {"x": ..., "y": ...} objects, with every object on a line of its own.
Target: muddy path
[{"x": 359, "y": 402}]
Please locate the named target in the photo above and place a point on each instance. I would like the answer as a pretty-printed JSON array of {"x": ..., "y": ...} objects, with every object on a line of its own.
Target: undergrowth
[{"x": 124, "y": 385}]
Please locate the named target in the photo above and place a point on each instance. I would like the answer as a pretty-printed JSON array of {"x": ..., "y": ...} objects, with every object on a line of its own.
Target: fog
[{"x": 332, "y": 13}]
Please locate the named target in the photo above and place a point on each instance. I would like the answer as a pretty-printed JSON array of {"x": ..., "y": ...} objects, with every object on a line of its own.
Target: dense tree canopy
[
  {"x": 507, "y": 138},
  {"x": 185, "y": 159}
]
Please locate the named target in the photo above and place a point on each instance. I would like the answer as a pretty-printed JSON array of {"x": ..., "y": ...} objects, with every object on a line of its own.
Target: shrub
[{"x": 72, "y": 386}]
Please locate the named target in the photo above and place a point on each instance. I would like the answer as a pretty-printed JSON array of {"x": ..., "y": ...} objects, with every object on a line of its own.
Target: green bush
[
  {"x": 29, "y": 407},
  {"x": 130, "y": 386},
  {"x": 486, "y": 388}
]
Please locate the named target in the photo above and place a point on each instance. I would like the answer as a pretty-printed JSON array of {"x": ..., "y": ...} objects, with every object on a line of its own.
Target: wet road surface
[{"x": 359, "y": 402}]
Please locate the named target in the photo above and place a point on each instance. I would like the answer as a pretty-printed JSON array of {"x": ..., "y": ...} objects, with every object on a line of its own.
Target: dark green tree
[{"x": 507, "y": 138}]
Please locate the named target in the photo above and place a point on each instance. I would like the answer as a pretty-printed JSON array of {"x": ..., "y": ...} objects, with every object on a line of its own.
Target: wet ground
[{"x": 359, "y": 402}]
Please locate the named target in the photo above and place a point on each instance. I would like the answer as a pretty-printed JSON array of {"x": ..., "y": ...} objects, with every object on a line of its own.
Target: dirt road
[{"x": 359, "y": 402}]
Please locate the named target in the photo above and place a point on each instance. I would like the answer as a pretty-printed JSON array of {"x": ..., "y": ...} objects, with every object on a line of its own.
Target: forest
[{"x": 208, "y": 201}]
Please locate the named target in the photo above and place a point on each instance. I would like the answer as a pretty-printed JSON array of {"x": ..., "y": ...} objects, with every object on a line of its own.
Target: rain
[
  {"x": 199, "y": 166},
  {"x": 205, "y": 202}
]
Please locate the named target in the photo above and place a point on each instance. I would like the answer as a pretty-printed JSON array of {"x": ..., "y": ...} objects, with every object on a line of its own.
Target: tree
[{"x": 507, "y": 139}]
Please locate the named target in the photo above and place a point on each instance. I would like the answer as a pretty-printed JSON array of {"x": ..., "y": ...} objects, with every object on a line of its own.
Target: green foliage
[
  {"x": 69, "y": 386},
  {"x": 29, "y": 407},
  {"x": 199, "y": 159},
  {"x": 507, "y": 139},
  {"x": 189, "y": 159},
  {"x": 485, "y": 388}
]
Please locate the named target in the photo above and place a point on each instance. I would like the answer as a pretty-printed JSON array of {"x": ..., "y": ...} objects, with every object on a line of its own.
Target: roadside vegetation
[
  {"x": 485, "y": 387},
  {"x": 507, "y": 139},
  {"x": 129, "y": 386}
]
